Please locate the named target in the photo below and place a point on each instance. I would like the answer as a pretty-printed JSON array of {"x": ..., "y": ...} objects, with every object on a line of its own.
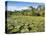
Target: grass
[{"x": 17, "y": 24}]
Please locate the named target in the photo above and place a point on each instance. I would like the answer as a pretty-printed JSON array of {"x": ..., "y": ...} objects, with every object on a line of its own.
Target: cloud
[
  {"x": 20, "y": 8},
  {"x": 12, "y": 8}
]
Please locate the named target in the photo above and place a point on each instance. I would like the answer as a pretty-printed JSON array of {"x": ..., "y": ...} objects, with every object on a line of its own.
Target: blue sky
[{"x": 15, "y": 5}]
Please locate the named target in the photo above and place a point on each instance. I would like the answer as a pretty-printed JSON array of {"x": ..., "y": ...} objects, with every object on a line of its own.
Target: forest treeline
[{"x": 39, "y": 11}]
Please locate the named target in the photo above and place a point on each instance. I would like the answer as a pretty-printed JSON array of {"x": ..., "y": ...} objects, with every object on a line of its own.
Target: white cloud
[
  {"x": 21, "y": 8},
  {"x": 11, "y": 8}
]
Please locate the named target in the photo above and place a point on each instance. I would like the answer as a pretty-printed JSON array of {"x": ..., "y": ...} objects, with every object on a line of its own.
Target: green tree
[{"x": 32, "y": 10}]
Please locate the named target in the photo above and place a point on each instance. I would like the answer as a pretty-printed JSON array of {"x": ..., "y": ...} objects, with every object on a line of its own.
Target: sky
[{"x": 17, "y": 5}]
